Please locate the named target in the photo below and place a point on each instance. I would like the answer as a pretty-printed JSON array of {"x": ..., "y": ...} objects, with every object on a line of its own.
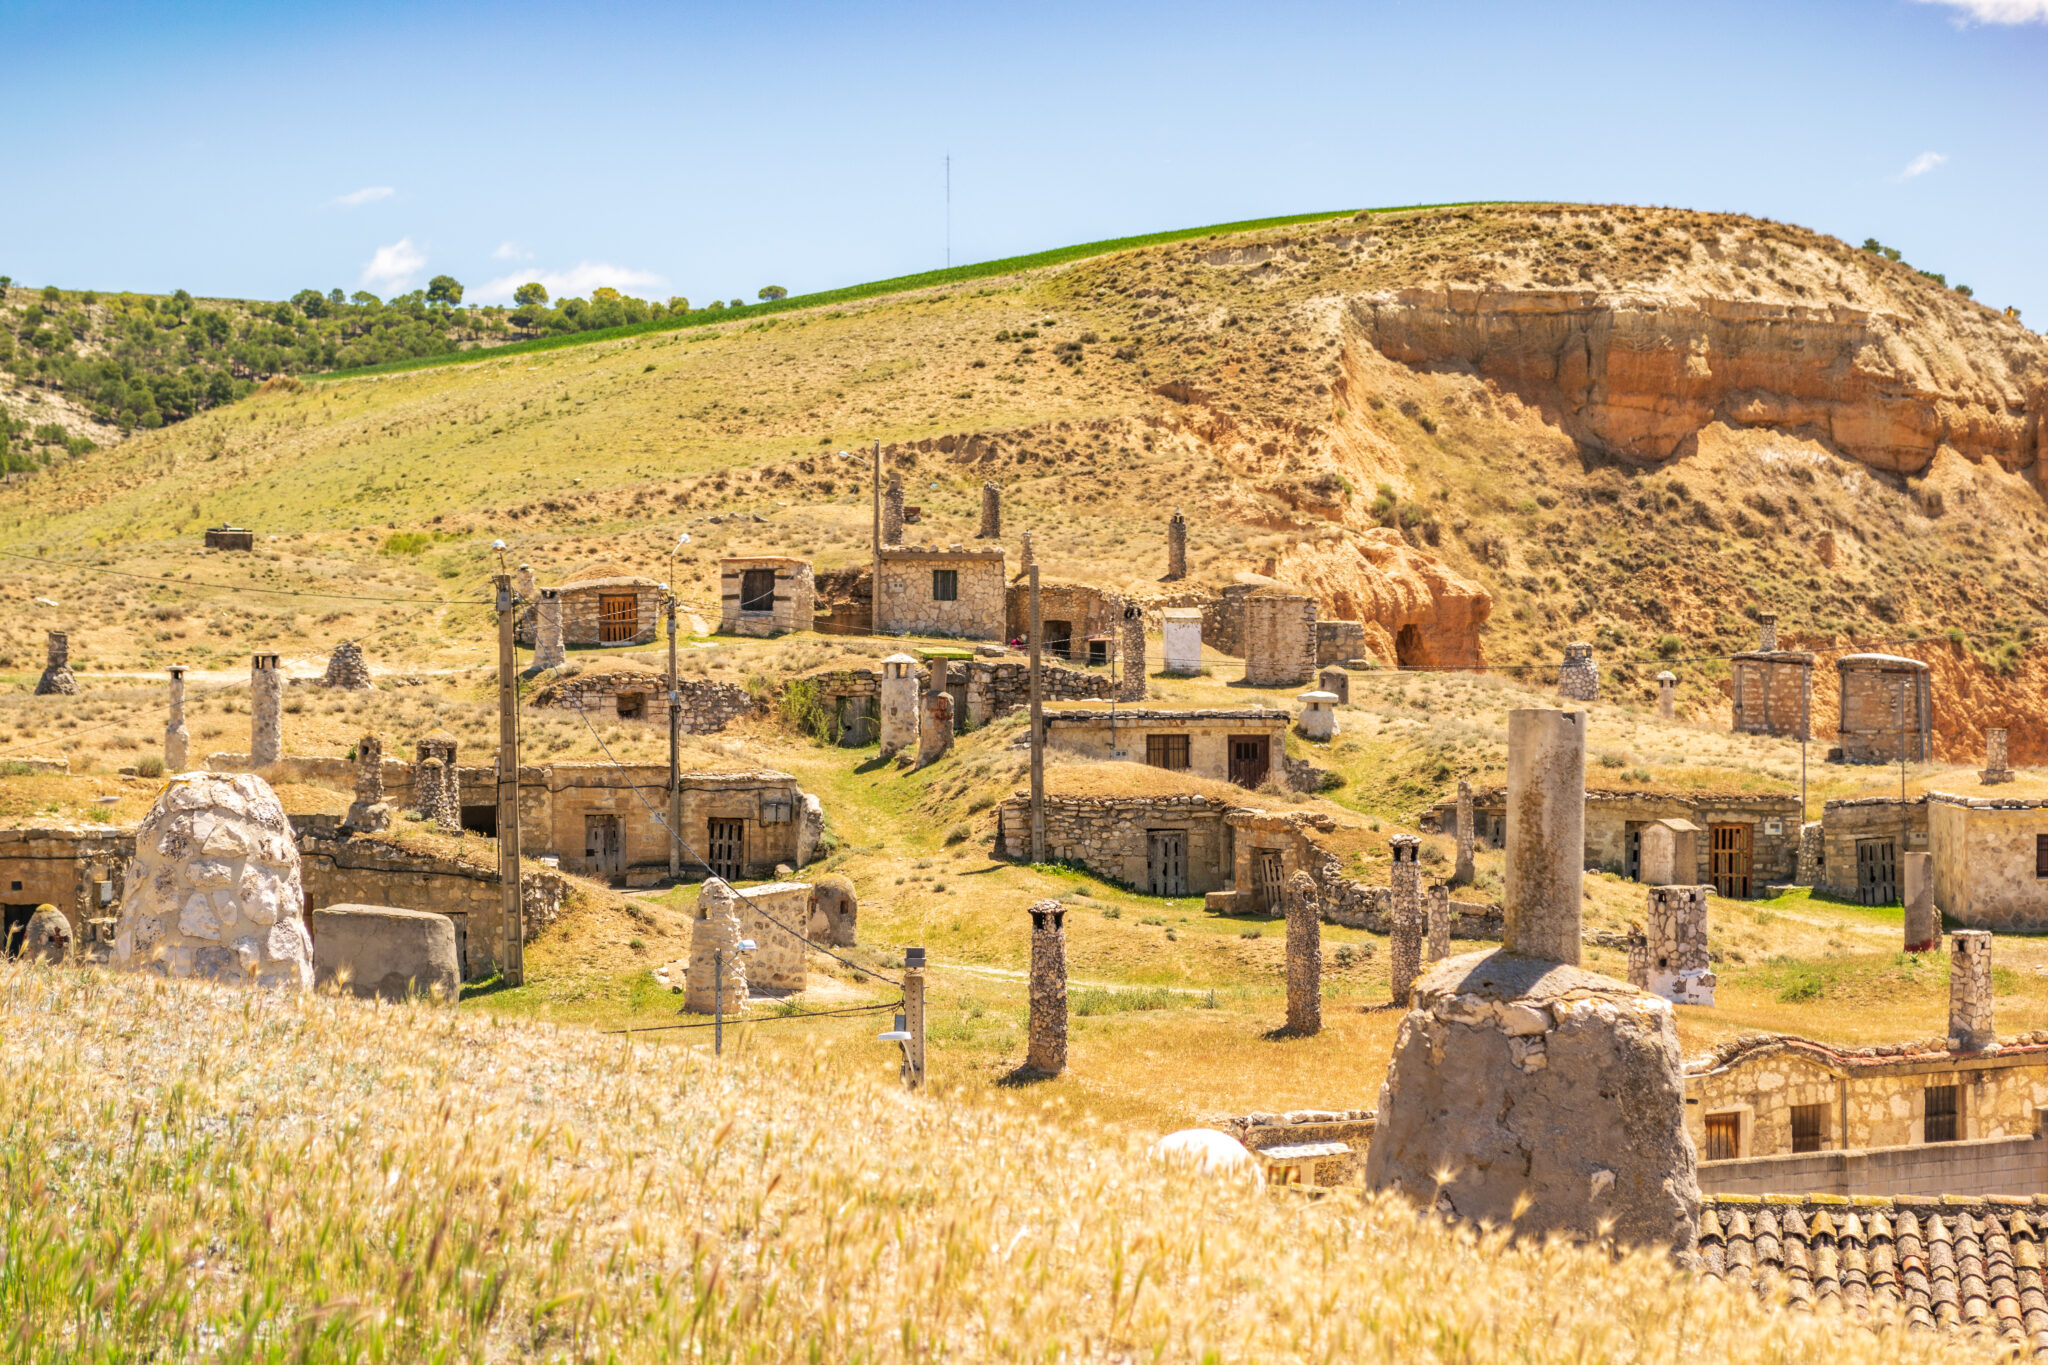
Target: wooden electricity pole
[
  {"x": 875, "y": 583},
  {"x": 512, "y": 961},
  {"x": 1037, "y": 732},
  {"x": 913, "y": 1017},
  {"x": 675, "y": 753}
]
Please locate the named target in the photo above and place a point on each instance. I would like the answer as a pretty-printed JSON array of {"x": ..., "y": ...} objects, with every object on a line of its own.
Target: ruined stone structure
[
  {"x": 1339, "y": 642},
  {"x": 1552, "y": 1096},
  {"x": 991, "y": 527},
  {"x": 1318, "y": 719},
  {"x": 57, "y": 679},
  {"x": 1238, "y": 744},
  {"x": 1337, "y": 682},
  {"x": 1667, "y": 693},
  {"x": 941, "y": 590},
  {"x": 892, "y": 511},
  {"x": 1181, "y": 631},
  {"x": 1437, "y": 917},
  {"x": 935, "y": 727},
  {"x": 1668, "y": 958},
  {"x": 1969, "y": 990},
  {"x": 1995, "y": 770},
  {"x": 266, "y": 711},
  {"x": 524, "y": 584},
  {"x": 638, "y": 694},
  {"x": 900, "y": 721},
  {"x": 48, "y": 937},
  {"x": 1923, "y": 921},
  {"x": 1811, "y": 849},
  {"x": 80, "y": 869},
  {"x": 1773, "y": 688},
  {"x": 1279, "y": 639},
  {"x": 765, "y": 595},
  {"x": 347, "y": 670},
  {"x": 717, "y": 977},
  {"x": 1304, "y": 956},
  {"x": 437, "y": 785},
  {"x": 215, "y": 887},
  {"x": 1578, "y": 678},
  {"x": 1987, "y": 855},
  {"x": 1046, "y": 1047},
  {"x": 1132, "y": 682},
  {"x": 368, "y": 813},
  {"x": 177, "y": 739},
  {"x": 1176, "y": 546},
  {"x": 1463, "y": 873},
  {"x": 1072, "y": 614},
  {"x": 834, "y": 913},
  {"x": 1404, "y": 949},
  {"x": 383, "y": 952},
  {"x": 549, "y": 651},
  {"x": 1887, "y": 709}
]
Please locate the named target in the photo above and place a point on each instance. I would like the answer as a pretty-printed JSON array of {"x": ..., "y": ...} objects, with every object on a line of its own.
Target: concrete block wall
[{"x": 1988, "y": 1166}]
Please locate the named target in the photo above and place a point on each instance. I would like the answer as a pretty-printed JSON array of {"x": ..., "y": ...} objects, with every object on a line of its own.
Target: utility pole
[
  {"x": 718, "y": 1002},
  {"x": 1805, "y": 733},
  {"x": 913, "y": 1017},
  {"x": 949, "y": 211},
  {"x": 675, "y": 753},
  {"x": 1037, "y": 732},
  {"x": 512, "y": 963},
  {"x": 875, "y": 592},
  {"x": 1902, "y": 739}
]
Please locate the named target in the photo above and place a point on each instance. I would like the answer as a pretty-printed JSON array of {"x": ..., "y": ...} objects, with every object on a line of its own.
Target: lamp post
[
  {"x": 745, "y": 945},
  {"x": 675, "y": 726},
  {"x": 909, "y": 1026}
]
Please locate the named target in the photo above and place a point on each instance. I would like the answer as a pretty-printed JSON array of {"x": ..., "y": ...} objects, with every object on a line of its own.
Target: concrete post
[
  {"x": 892, "y": 518},
  {"x": 1463, "y": 874},
  {"x": 548, "y": 649},
  {"x": 368, "y": 812},
  {"x": 1437, "y": 905},
  {"x": 1404, "y": 948},
  {"x": 1667, "y": 693},
  {"x": 899, "y": 703},
  {"x": 177, "y": 741},
  {"x": 1133, "y": 683},
  {"x": 1304, "y": 956},
  {"x": 1546, "y": 846},
  {"x": 1046, "y": 1053},
  {"x": 1923, "y": 921},
  {"x": 1176, "y": 546},
  {"x": 1969, "y": 990},
  {"x": 266, "y": 711},
  {"x": 991, "y": 513}
]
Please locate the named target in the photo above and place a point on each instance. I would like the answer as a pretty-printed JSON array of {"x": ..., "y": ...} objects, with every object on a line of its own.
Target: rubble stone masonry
[{"x": 1304, "y": 956}]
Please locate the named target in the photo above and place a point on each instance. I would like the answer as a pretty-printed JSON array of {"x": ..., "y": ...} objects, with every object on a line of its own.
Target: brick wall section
[
  {"x": 1279, "y": 639},
  {"x": 1339, "y": 642}
]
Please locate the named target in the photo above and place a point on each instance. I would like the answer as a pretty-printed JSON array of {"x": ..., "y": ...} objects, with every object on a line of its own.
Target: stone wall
[
  {"x": 1122, "y": 734},
  {"x": 1087, "y": 611},
  {"x": 1353, "y": 1127},
  {"x": 580, "y": 611},
  {"x": 1772, "y": 693},
  {"x": 1986, "y": 860},
  {"x": 768, "y": 803},
  {"x": 795, "y": 598},
  {"x": 1873, "y": 817},
  {"x": 994, "y": 688},
  {"x": 633, "y": 694},
  {"x": 1279, "y": 639},
  {"x": 1339, "y": 642},
  {"x": 1110, "y": 836},
  {"x": 1773, "y": 821},
  {"x": 1875, "y": 687},
  {"x": 63, "y": 865},
  {"x": 908, "y": 607},
  {"x": 777, "y": 961}
]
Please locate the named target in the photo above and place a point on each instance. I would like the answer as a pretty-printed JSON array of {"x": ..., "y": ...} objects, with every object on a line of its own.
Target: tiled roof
[{"x": 1948, "y": 1263}]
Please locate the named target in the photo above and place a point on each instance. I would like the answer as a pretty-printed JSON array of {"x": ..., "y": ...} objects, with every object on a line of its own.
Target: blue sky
[{"x": 254, "y": 150}]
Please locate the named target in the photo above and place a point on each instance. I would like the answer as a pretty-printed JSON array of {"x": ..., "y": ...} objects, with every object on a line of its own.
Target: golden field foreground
[{"x": 202, "y": 1173}]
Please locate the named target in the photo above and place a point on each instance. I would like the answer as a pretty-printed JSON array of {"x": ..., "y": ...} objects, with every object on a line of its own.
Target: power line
[{"x": 763, "y": 1019}]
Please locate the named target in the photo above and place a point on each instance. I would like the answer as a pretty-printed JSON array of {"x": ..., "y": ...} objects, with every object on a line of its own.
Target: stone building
[
  {"x": 776, "y": 917},
  {"x": 604, "y": 821},
  {"x": 1990, "y": 860},
  {"x": 1242, "y": 745},
  {"x": 948, "y": 591},
  {"x": 81, "y": 870},
  {"x": 1072, "y": 614},
  {"x": 622, "y": 609},
  {"x": 1279, "y": 639},
  {"x": 1863, "y": 841},
  {"x": 765, "y": 595},
  {"x": 1887, "y": 707},
  {"x": 641, "y": 694},
  {"x": 1751, "y": 841},
  {"x": 1772, "y": 688},
  {"x": 1160, "y": 845}
]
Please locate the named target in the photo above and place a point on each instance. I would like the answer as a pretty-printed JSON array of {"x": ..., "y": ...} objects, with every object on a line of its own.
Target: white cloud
[
  {"x": 1921, "y": 165},
  {"x": 577, "y": 281},
  {"x": 1997, "y": 11},
  {"x": 368, "y": 194},
  {"x": 394, "y": 268},
  {"x": 509, "y": 251}
]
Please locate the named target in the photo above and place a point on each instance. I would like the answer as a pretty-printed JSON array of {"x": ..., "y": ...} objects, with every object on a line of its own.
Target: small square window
[
  {"x": 1724, "y": 1137},
  {"x": 1167, "y": 751},
  {"x": 945, "y": 585},
  {"x": 1809, "y": 1127}
]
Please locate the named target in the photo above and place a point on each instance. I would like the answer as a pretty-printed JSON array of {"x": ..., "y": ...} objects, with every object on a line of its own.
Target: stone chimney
[
  {"x": 991, "y": 513},
  {"x": 1437, "y": 913},
  {"x": 1176, "y": 546},
  {"x": 1767, "y": 642},
  {"x": 892, "y": 512},
  {"x": 1667, "y": 693},
  {"x": 1579, "y": 677},
  {"x": 437, "y": 782},
  {"x": 57, "y": 679},
  {"x": 1133, "y": 684},
  {"x": 1676, "y": 962},
  {"x": 1546, "y": 834},
  {"x": 1463, "y": 874},
  {"x": 522, "y": 583},
  {"x": 1406, "y": 926},
  {"x": 266, "y": 711},
  {"x": 1304, "y": 955},
  {"x": 900, "y": 722},
  {"x": 548, "y": 650},
  {"x": 1995, "y": 770},
  {"x": 1969, "y": 990},
  {"x": 368, "y": 813},
  {"x": 177, "y": 741},
  {"x": 1046, "y": 1049},
  {"x": 935, "y": 725},
  {"x": 1025, "y": 555}
]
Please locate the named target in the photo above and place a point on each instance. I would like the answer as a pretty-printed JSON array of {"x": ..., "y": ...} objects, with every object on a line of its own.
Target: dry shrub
[{"x": 200, "y": 1171}]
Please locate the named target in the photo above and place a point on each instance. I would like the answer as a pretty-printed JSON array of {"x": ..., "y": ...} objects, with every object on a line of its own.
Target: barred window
[
  {"x": 1167, "y": 751},
  {"x": 1941, "y": 1114},
  {"x": 1809, "y": 1127},
  {"x": 945, "y": 585}
]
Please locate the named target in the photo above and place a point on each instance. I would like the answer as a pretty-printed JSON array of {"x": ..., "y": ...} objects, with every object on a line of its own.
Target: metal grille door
[{"x": 728, "y": 851}]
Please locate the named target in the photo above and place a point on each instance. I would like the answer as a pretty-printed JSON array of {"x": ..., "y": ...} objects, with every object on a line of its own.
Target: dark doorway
[
  {"x": 1877, "y": 871},
  {"x": 481, "y": 820},
  {"x": 17, "y": 927},
  {"x": 1098, "y": 649},
  {"x": 1059, "y": 639},
  {"x": 1408, "y": 647},
  {"x": 1730, "y": 865},
  {"x": 757, "y": 590},
  {"x": 1167, "y": 862},
  {"x": 632, "y": 705},
  {"x": 1632, "y": 851},
  {"x": 728, "y": 848},
  {"x": 603, "y": 848},
  {"x": 860, "y": 721},
  {"x": 1250, "y": 759}
]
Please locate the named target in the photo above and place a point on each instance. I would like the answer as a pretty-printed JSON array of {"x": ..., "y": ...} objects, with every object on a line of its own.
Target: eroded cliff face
[
  {"x": 1640, "y": 374},
  {"x": 1417, "y": 611}
]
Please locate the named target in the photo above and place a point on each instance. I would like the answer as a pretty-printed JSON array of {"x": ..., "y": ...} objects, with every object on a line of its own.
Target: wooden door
[
  {"x": 1877, "y": 871},
  {"x": 1730, "y": 860},
  {"x": 1167, "y": 862},
  {"x": 757, "y": 590},
  {"x": 1267, "y": 876},
  {"x": 728, "y": 849},
  {"x": 1250, "y": 759},
  {"x": 603, "y": 849},
  {"x": 618, "y": 618}
]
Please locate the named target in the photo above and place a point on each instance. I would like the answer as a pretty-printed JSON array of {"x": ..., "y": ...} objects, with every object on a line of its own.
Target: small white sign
[{"x": 1774, "y": 826}]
